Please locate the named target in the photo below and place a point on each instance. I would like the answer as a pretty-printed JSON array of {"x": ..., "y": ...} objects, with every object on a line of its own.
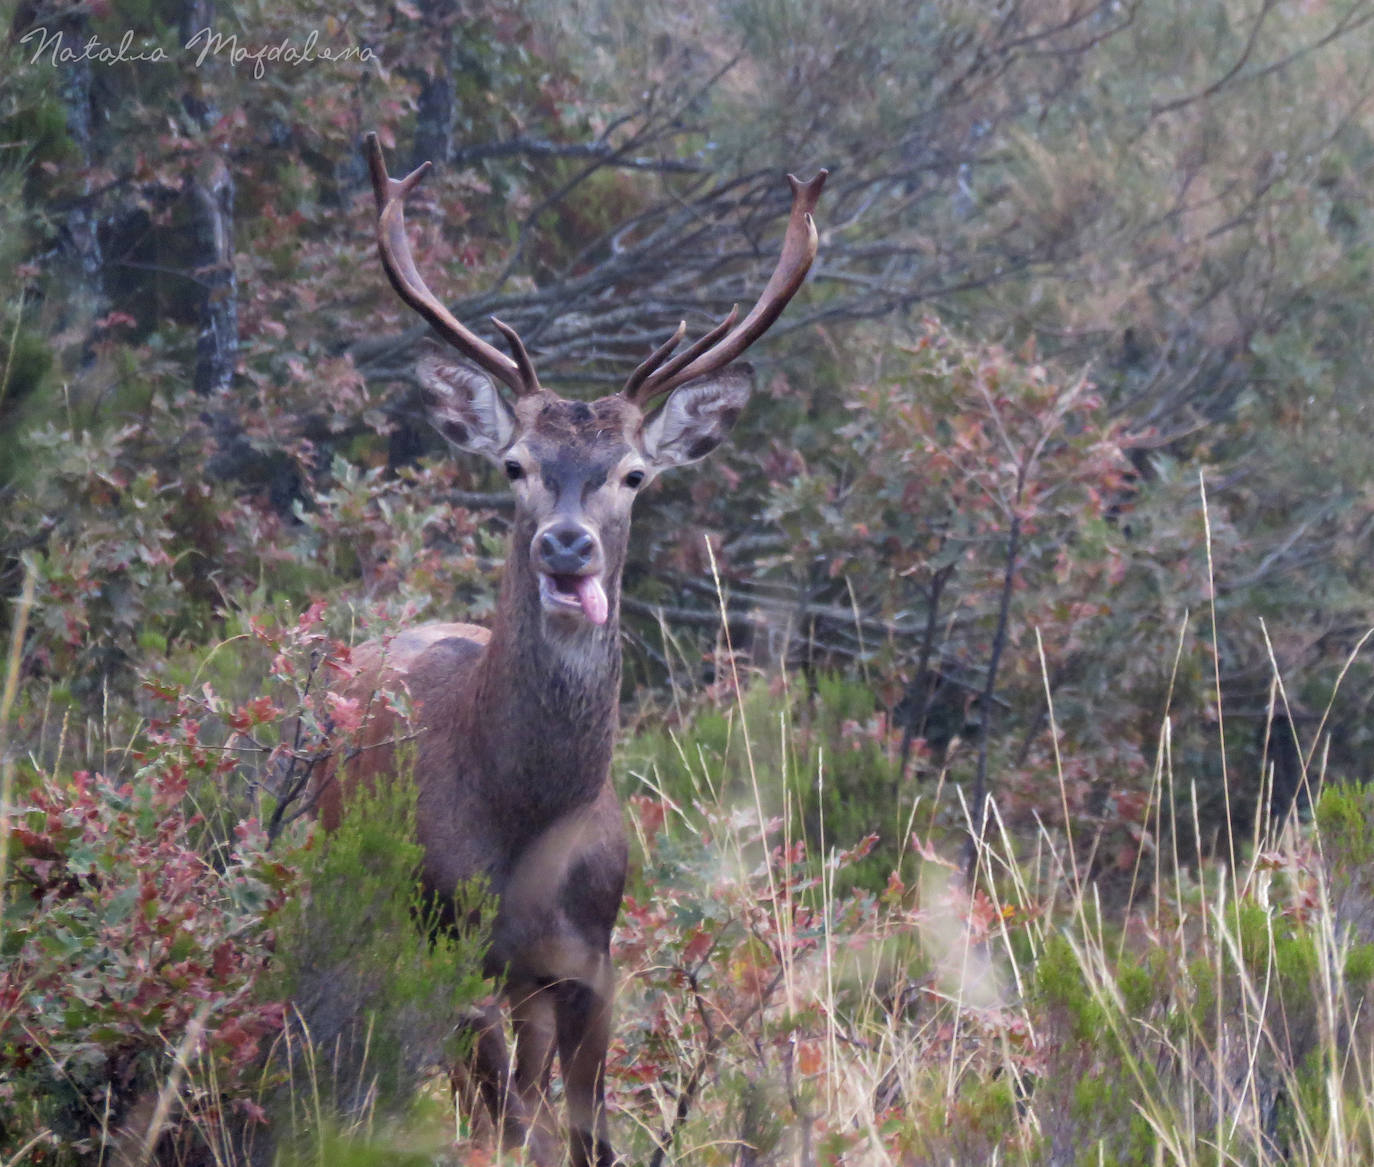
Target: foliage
[
  {"x": 826, "y": 766},
  {"x": 984, "y": 506},
  {"x": 126, "y": 937},
  {"x": 730, "y": 942},
  {"x": 1058, "y": 186},
  {"x": 1088, "y": 532},
  {"x": 773, "y": 1015},
  {"x": 1215, "y": 1009},
  {"x": 143, "y": 947},
  {"x": 949, "y": 451},
  {"x": 129, "y": 534},
  {"x": 377, "y": 982}
]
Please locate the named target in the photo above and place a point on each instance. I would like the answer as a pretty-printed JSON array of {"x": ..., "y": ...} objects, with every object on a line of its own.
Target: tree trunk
[
  {"x": 211, "y": 197},
  {"x": 434, "y": 108},
  {"x": 79, "y": 241}
]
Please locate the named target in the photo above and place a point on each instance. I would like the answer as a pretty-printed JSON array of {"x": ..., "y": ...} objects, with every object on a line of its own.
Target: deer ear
[
  {"x": 464, "y": 405},
  {"x": 697, "y": 417}
]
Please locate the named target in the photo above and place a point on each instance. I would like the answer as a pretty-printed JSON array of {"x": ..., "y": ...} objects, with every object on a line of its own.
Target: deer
[{"x": 515, "y": 723}]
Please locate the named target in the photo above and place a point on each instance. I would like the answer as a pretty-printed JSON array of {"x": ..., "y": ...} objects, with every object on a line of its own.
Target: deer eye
[
  {"x": 514, "y": 471},
  {"x": 634, "y": 479}
]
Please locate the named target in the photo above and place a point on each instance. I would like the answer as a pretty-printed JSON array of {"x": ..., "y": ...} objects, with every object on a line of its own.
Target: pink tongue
[{"x": 592, "y": 596}]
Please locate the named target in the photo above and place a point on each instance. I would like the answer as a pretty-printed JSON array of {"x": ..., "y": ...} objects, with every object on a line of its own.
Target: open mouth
[{"x": 581, "y": 594}]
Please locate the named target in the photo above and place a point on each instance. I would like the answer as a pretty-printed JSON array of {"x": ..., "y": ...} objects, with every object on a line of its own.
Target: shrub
[
  {"x": 378, "y": 984},
  {"x": 122, "y": 943}
]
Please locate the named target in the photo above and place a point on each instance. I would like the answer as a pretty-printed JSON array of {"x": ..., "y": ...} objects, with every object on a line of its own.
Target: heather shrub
[{"x": 378, "y": 985}]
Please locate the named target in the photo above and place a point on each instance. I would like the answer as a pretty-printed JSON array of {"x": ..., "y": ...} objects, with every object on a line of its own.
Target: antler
[
  {"x": 401, "y": 271},
  {"x": 723, "y": 344}
]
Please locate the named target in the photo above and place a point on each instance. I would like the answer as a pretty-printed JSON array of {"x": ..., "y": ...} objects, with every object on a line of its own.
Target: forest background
[{"x": 1056, "y": 487}]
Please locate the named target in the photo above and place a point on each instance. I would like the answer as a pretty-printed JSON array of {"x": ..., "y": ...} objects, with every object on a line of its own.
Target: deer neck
[{"x": 546, "y": 699}]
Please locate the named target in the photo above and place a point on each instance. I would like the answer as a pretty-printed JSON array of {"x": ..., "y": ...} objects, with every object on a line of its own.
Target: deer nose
[{"x": 567, "y": 549}]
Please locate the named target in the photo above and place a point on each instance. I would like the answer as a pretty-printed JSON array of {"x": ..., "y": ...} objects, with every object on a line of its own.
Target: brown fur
[{"x": 513, "y": 735}]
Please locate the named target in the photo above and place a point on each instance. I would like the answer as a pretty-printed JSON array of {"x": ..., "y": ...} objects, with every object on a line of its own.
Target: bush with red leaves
[{"x": 126, "y": 948}]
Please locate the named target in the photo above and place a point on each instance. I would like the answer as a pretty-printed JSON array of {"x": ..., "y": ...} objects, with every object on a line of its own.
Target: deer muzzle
[{"x": 567, "y": 557}]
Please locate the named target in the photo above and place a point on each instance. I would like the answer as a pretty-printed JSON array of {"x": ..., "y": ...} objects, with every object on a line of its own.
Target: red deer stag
[{"x": 517, "y": 723}]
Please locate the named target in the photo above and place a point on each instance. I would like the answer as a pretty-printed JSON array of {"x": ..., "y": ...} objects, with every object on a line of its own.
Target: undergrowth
[
  {"x": 376, "y": 986},
  {"x": 190, "y": 972},
  {"x": 799, "y": 981},
  {"x": 778, "y": 1006}
]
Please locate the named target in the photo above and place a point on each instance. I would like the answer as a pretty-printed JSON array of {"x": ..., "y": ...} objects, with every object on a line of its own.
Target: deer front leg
[
  {"x": 533, "y": 1021},
  {"x": 584, "y": 1026},
  {"x": 481, "y": 1081},
  {"x": 514, "y": 1089}
]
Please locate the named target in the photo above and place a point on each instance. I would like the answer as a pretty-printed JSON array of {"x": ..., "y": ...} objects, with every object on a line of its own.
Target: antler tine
[
  {"x": 654, "y": 359},
  {"x": 400, "y": 268},
  {"x": 518, "y": 351},
  {"x": 723, "y": 344},
  {"x": 664, "y": 378}
]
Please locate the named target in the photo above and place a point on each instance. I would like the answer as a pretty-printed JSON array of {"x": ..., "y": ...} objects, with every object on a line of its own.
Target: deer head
[{"x": 575, "y": 467}]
